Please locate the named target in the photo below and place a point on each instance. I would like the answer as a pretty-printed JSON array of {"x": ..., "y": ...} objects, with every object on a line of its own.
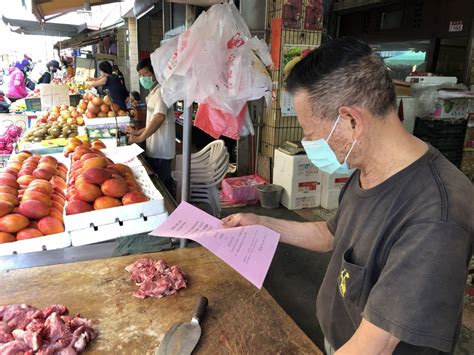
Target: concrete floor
[
  {"x": 295, "y": 274},
  {"x": 295, "y": 277}
]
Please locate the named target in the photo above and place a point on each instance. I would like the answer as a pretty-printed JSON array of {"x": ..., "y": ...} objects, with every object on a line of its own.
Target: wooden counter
[{"x": 240, "y": 319}]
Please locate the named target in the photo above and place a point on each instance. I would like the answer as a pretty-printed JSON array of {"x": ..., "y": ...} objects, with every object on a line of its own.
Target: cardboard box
[
  {"x": 298, "y": 194},
  {"x": 301, "y": 202},
  {"x": 456, "y": 108},
  {"x": 330, "y": 199},
  {"x": 297, "y": 167},
  {"x": 331, "y": 187},
  {"x": 300, "y": 179},
  {"x": 334, "y": 181},
  {"x": 53, "y": 95},
  {"x": 431, "y": 80}
]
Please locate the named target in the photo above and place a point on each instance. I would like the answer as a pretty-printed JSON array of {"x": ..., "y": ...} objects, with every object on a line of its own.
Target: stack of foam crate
[{"x": 447, "y": 135}]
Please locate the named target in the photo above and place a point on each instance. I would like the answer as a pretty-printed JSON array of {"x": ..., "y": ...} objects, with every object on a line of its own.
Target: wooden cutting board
[{"x": 240, "y": 319}]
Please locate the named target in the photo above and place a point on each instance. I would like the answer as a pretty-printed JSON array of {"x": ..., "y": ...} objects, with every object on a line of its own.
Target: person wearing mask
[
  {"x": 159, "y": 132},
  {"x": 27, "y": 66},
  {"x": 402, "y": 237},
  {"x": 16, "y": 85},
  {"x": 111, "y": 84},
  {"x": 52, "y": 67}
]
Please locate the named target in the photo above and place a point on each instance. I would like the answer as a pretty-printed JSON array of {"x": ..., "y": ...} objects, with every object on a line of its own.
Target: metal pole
[
  {"x": 186, "y": 169},
  {"x": 187, "y": 129}
]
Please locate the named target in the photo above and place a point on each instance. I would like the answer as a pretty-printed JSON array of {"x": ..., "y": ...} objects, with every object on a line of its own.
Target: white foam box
[
  {"x": 106, "y": 121},
  {"x": 300, "y": 179},
  {"x": 330, "y": 199},
  {"x": 111, "y": 223},
  {"x": 54, "y": 95},
  {"x": 48, "y": 242},
  {"x": 334, "y": 181},
  {"x": 300, "y": 201},
  {"x": 331, "y": 187},
  {"x": 295, "y": 167}
]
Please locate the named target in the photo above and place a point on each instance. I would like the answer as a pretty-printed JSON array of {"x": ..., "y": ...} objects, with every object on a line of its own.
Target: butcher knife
[{"x": 182, "y": 338}]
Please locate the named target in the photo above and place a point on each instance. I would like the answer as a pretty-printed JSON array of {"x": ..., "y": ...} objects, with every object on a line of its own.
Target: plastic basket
[
  {"x": 74, "y": 99},
  {"x": 242, "y": 189},
  {"x": 33, "y": 104},
  {"x": 432, "y": 127},
  {"x": 4, "y": 160}
]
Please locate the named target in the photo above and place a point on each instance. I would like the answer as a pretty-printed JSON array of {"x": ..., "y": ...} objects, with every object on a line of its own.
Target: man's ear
[{"x": 353, "y": 118}]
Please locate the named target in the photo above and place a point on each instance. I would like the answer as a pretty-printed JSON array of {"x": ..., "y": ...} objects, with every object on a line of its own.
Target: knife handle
[{"x": 200, "y": 310}]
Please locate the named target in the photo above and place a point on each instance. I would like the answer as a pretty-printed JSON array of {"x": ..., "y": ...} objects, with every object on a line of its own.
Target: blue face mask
[{"x": 323, "y": 157}]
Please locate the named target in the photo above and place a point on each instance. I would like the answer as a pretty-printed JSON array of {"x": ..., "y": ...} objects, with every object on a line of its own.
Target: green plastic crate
[{"x": 33, "y": 104}]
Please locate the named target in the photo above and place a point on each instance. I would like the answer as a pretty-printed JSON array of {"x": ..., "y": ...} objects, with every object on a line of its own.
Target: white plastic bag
[
  {"x": 215, "y": 62},
  {"x": 162, "y": 57}
]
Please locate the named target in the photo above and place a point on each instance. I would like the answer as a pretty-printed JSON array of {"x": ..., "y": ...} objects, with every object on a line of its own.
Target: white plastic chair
[{"x": 208, "y": 169}]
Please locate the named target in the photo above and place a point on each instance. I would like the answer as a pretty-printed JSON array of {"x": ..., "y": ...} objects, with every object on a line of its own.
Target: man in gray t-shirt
[{"x": 402, "y": 238}]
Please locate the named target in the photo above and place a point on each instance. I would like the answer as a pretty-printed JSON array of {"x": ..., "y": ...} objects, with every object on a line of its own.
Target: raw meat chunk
[
  {"x": 59, "y": 309},
  {"x": 5, "y": 333},
  {"x": 26, "y": 330},
  {"x": 14, "y": 347},
  {"x": 155, "y": 278}
]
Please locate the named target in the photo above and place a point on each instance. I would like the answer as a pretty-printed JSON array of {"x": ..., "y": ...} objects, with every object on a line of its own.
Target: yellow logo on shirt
[{"x": 343, "y": 276}]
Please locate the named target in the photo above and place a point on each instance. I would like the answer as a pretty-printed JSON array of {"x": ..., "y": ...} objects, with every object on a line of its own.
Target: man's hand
[
  {"x": 241, "y": 219},
  {"x": 132, "y": 132},
  {"x": 369, "y": 339},
  {"x": 134, "y": 138}
]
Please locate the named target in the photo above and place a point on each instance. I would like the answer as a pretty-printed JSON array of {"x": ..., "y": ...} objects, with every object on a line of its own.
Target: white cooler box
[
  {"x": 332, "y": 185},
  {"x": 300, "y": 179}
]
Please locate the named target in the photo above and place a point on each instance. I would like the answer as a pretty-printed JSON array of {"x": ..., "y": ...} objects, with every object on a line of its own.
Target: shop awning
[
  {"x": 45, "y": 10},
  {"x": 45, "y": 29},
  {"x": 87, "y": 39}
]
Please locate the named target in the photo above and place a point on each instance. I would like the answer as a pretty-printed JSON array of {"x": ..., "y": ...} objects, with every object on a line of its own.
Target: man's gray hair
[{"x": 344, "y": 72}]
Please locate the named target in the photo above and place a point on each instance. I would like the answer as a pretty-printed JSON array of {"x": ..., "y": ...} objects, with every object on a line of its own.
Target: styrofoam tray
[
  {"x": 124, "y": 228},
  {"x": 105, "y": 120},
  {"x": 48, "y": 242},
  {"x": 97, "y": 218}
]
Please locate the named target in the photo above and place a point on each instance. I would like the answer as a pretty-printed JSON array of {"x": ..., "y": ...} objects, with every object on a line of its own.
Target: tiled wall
[{"x": 133, "y": 54}]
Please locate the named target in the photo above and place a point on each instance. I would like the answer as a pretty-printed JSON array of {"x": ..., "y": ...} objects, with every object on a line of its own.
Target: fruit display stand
[
  {"x": 106, "y": 121},
  {"x": 50, "y": 146},
  {"x": 111, "y": 223},
  {"x": 48, "y": 242}
]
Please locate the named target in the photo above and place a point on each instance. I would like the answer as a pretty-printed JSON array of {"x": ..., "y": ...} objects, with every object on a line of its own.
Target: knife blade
[
  {"x": 182, "y": 338},
  {"x": 162, "y": 348}
]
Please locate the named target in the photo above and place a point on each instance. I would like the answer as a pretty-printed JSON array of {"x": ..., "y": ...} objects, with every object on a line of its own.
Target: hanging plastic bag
[
  {"x": 163, "y": 57},
  {"x": 216, "y": 122},
  {"x": 247, "y": 127},
  {"x": 216, "y": 63}
]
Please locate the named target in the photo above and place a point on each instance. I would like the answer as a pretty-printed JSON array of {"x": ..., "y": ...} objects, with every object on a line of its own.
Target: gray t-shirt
[{"x": 400, "y": 257}]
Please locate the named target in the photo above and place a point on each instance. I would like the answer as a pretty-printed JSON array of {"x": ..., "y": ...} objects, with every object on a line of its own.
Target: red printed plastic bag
[{"x": 216, "y": 122}]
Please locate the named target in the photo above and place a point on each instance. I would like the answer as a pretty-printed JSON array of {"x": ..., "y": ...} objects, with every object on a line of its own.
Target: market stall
[
  {"x": 238, "y": 320},
  {"x": 75, "y": 195}
]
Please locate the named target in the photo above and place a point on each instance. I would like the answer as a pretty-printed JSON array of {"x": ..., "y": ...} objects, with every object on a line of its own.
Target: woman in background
[
  {"x": 52, "y": 67},
  {"x": 110, "y": 82},
  {"x": 16, "y": 84}
]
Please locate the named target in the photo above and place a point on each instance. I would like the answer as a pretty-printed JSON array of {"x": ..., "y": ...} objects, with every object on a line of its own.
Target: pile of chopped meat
[
  {"x": 27, "y": 330},
  {"x": 155, "y": 278}
]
